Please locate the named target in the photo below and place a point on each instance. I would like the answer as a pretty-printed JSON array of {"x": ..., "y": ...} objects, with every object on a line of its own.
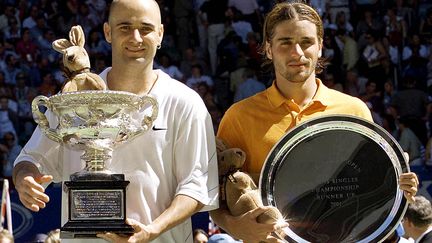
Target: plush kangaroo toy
[
  {"x": 77, "y": 63},
  {"x": 238, "y": 188}
]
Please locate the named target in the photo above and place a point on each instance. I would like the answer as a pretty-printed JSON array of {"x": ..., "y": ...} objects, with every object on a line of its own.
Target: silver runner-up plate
[{"x": 335, "y": 179}]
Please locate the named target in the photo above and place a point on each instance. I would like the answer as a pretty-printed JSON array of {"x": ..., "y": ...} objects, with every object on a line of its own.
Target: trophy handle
[
  {"x": 147, "y": 121},
  {"x": 41, "y": 119}
]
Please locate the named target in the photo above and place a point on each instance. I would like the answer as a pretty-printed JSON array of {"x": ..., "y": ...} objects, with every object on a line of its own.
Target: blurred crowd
[{"x": 377, "y": 50}]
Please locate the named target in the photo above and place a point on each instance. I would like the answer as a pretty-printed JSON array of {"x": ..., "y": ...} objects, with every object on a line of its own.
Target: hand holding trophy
[{"x": 93, "y": 120}]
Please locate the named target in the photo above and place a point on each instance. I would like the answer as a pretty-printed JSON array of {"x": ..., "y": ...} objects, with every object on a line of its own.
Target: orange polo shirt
[{"x": 258, "y": 122}]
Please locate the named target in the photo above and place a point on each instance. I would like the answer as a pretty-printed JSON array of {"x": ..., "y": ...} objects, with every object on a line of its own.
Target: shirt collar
[
  {"x": 160, "y": 73},
  {"x": 276, "y": 98},
  {"x": 104, "y": 74}
]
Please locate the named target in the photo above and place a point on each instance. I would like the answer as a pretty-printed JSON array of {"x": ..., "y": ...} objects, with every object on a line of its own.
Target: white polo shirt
[{"x": 178, "y": 157}]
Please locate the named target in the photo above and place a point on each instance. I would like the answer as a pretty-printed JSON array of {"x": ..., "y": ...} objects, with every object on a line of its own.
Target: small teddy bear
[
  {"x": 76, "y": 63},
  {"x": 238, "y": 189}
]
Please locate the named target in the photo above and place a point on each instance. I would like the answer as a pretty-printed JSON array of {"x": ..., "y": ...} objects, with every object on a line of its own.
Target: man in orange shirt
[{"x": 293, "y": 34}]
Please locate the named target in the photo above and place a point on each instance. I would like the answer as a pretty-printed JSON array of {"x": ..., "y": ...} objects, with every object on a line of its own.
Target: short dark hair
[{"x": 420, "y": 212}]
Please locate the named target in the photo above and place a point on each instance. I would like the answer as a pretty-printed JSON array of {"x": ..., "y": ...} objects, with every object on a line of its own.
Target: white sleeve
[
  {"x": 43, "y": 152},
  {"x": 195, "y": 158}
]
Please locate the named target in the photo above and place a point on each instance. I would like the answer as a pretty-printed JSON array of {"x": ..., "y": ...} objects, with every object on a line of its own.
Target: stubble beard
[{"x": 301, "y": 76}]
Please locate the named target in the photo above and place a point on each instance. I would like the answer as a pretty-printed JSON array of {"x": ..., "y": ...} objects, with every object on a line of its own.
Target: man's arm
[
  {"x": 28, "y": 180},
  {"x": 235, "y": 226},
  {"x": 181, "y": 208}
]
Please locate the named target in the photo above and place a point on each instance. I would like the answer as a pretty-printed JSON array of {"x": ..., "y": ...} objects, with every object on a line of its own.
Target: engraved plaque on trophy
[
  {"x": 95, "y": 122},
  {"x": 335, "y": 179}
]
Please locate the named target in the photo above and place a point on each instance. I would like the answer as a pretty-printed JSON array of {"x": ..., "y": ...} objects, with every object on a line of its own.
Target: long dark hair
[{"x": 287, "y": 11}]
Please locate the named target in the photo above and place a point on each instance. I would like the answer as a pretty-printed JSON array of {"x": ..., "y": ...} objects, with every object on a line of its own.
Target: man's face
[
  {"x": 293, "y": 39},
  {"x": 371, "y": 87},
  {"x": 189, "y": 54},
  {"x": 196, "y": 72},
  {"x": 34, "y": 12},
  {"x": 12, "y": 61},
  {"x": 408, "y": 226},
  {"x": 388, "y": 87},
  {"x": 134, "y": 30}
]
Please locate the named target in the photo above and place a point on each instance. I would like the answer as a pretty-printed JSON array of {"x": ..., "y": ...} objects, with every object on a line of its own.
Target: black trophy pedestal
[{"x": 96, "y": 204}]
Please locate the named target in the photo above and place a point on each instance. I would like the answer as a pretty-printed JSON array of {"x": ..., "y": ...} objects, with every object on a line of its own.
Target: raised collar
[{"x": 276, "y": 98}]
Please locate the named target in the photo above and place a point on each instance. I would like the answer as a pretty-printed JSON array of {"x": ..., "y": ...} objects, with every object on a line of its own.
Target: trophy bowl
[{"x": 95, "y": 122}]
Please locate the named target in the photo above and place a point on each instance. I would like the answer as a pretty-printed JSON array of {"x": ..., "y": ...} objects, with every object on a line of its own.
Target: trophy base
[
  {"x": 96, "y": 204},
  {"x": 72, "y": 230}
]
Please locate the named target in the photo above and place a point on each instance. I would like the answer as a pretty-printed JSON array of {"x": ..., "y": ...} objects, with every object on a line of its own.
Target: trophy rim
[
  {"x": 275, "y": 159},
  {"x": 95, "y": 92},
  {"x": 100, "y": 97}
]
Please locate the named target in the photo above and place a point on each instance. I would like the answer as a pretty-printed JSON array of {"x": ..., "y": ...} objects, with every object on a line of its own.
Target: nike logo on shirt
[{"x": 154, "y": 128}]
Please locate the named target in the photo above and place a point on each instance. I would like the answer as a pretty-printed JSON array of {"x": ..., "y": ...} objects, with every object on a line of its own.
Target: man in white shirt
[
  {"x": 30, "y": 21},
  {"x": 172, "y": 168}
]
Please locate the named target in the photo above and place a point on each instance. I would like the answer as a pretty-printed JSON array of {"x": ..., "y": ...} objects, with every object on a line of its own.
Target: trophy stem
[{"x": 95, "y": 159}]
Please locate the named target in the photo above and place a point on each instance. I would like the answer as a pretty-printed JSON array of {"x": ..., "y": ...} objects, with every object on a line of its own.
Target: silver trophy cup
[{"x": 95, "y": 122}]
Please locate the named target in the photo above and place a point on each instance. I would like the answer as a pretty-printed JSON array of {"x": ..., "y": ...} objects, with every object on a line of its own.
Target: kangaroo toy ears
[
  {"x": 76, "y": 37},
  {"x": 61, "y": 45}
]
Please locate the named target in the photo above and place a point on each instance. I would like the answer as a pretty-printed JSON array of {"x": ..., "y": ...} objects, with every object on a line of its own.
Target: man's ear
[
  {"x": 107, "y": 32},
  {"x": 320, "y": 49},
  {"x": 268, "y": 50},
  {"x": 160, "y": 33}
]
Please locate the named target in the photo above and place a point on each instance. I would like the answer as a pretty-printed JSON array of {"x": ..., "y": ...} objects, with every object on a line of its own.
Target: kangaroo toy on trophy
[
  {"x": 92, "y": 120},
  {"x": 76, "y": 63}
]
